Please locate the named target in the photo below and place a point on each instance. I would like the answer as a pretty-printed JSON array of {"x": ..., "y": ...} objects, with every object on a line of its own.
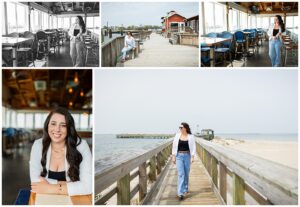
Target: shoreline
[{"x": 282, "y": 152}]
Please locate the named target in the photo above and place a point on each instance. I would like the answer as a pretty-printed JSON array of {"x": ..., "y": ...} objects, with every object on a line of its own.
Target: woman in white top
[
  {"x": 60, "y": 162},
  {"x": 77, "y": 46},
  {"x": 275, "y": 41},
  {"x": 129, "y": 45},
  {"x": 183, "y": 153}
]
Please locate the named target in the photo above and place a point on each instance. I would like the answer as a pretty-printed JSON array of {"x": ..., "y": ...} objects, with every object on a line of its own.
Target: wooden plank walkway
[
  {"x": 158, "y": 52},
  {"x": 201, "y": 192}
]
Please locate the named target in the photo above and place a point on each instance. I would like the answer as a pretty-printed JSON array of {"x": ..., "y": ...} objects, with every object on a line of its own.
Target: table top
[
  {"x": 211, "y": 41},
  {"x": 12, "y": 41},
  {"x": 50, "y": 32},
  {"x": 76, "y": 200}
]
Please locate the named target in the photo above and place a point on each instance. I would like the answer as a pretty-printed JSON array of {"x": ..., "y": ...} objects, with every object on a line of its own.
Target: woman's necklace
[{"x": 58, "y": 153}]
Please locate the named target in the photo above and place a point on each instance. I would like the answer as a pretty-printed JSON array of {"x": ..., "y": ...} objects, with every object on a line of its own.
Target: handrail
[
  {"x": 266, "y": 181},
  {"x": 122, "y": 173}
]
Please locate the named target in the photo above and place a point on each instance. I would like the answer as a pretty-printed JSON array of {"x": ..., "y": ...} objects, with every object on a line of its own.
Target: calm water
[
  {"x": 107, "y": 39},
  {"x": 108, "y": 146}
]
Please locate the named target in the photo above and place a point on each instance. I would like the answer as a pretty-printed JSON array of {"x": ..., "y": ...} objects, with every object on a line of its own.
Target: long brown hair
[
  {"x": 72, "y": 140},
  {"x": 187, "y": 127}
]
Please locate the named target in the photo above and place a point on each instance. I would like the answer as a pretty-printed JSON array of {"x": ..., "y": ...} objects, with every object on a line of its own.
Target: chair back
[
  {"x": 227, "y": 35},
  {"x": 14, "y": 34},
  {"x": 212, "y": 34},
  {"x": 41, "y": 35},
  {"x": 239, "y": 35}
]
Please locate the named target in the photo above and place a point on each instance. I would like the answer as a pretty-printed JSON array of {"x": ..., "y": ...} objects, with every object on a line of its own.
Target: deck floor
[
  {"x": 158, "y": 52},
  {"x": 201, "y": 192}
]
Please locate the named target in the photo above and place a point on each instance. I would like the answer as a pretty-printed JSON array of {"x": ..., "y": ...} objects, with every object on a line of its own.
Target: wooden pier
[
  {"x": 219, "y": 175},
  {"x": 145, "y": 136},
  {"x": 159, "y": 52}
]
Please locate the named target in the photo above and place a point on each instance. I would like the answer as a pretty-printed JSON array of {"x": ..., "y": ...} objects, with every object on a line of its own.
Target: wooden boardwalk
[
  {"x": 158, "y": 52},
  {"x": 201, "y": 192}
]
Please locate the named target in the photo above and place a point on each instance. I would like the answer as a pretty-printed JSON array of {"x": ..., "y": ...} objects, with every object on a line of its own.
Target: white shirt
[
  {"x": 129, "y": 42},
  {"x": 191, "y": 141},
  {"x": 270, "y": 32},
  {"x": 82, "y": 187}
]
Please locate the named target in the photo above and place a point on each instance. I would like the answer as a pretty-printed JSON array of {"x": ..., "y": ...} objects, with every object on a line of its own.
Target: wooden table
[
  {"x": 14, "y": 42},
  {"x": 76, "y": 200},
  {"x": 211, "y": 42},
  {"x": 49, "y": 33}
]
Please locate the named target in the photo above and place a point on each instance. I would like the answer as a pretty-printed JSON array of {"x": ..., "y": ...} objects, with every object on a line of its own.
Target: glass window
[
  {"x": 265, "y": 23},
  {"x": 289, "y": 22},
  {"x": 84, "y": 121},
  {"x": 21, "y": 120},
  {"x": 29, "y": 120},
  {"x": 45, "y": 22},
  {"x": 13, "y": 119},
  {"x": 22, "y": 17},
  {"x": 233, "y": 20},
  {"x": 35, "y": 18},
  {"x": 54, "y": 22},
  {"x": 220, "y": 20},
  {"x": 209, "y": 17},
  {"x": 11, "y": 17},
  {"x": 76, "y": 118},
  {"x": 91, "y": 121},
  {"x": 97, "y": 22},
  {"x": 253, "y": 22},
  {"x": 89, "y": 22},
  {"x": 3, "y": 20},
  {"x": 243, "y": 20}
]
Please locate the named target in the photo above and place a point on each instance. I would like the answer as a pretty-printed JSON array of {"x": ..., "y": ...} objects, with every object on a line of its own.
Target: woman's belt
[{"x": 183, "y": 151}]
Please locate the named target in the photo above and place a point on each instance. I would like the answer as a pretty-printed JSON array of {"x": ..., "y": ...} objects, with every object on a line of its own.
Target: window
[
  {"x": 17, "y": 17},
  {"x": 233, "y": 20},
  {"x": 54, "y": 22},
  {"x": 91, "y": 121},
  {"x": 11, "y": 17},
  {"x": 265, "y": 23},
  {"x": 213, "y": 24},
  {"x": 84, "y": 121},
  {"x": 3, "y": 19},
  {"x": 35, "y": 20},
  {"x": 29, "y": 120},
  {"x": 22, "y": 17},
  {"x": 243, "y": 20},
  {"x": 45, "y": 21},
  {"x": 21, "y": 120},
  {"x": 253, "y": 22},
  {"x": 76, "y": 118}
]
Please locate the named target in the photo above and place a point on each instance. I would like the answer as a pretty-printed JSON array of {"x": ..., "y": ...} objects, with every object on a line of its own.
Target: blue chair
[
  {"x": 226, "y": 47},
  {"x": 240, "y": 42},
  {"x": 23, "y": 197},
  {"x": 212, "y": 34},
  {"x": 253, "y": 39}
]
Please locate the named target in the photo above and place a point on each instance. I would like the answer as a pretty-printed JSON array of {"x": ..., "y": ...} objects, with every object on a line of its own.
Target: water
[
  {"x": 107, "y": 39},
  {"x": 267, "y": 137},
  {"x": 109, "y": 145}
]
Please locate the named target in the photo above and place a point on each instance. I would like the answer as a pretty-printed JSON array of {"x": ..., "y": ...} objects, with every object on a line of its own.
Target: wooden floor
[
  {"x": 158, "y": 52},
  {"x": 201, "y": 192}
]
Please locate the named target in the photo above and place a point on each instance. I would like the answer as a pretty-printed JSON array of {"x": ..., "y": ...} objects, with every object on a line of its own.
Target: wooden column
[
  {"x": 142, "y": 181},
  {"x": 123, "y": 186},
  {"x": 214, "y": 170},
  {"x": 152, "y": 173},
  {"x": 159, "y": 159},
  {"x": 238, "y": 190},
  {"x": 223, "y": 181}
]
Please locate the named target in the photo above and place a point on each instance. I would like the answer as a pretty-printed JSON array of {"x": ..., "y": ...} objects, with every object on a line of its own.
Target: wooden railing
[
  {"x": 111, "y": 51},
  {"x": 123, "y": 173},
  {"x": 265, "y": 181}
]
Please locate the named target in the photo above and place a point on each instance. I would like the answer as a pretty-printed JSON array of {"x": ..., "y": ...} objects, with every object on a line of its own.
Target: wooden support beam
[
  {"x": 214, "y": 170},
  {"x": 142, "y": 181},
  {"x": 238, "y": 194},
  {"x": 152, "y": 173},
  {"x": 223, "y": 181},
  {"x": 123, "y": 186}
]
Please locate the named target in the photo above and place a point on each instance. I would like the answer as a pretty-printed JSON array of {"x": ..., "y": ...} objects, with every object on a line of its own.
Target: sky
[
  {"x": 137, "y": 13},
  {"x": 231, "y": 101}
]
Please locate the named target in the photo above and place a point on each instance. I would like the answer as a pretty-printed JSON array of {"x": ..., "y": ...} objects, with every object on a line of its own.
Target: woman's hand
[
  {"x": 192, "y": 159},
  {"x": 174, "y": 159},
  {"x": 42, "y": 187}
]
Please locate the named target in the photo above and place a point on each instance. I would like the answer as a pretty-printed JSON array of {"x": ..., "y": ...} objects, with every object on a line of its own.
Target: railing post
[
  {"x": 238, "y": 190},
  {"x": 208, "y": 162},
  {"x": 159, "y": 159},
  {"x": 152, "y": 173},
  {"x": 204, "y": 158},
  {"x": 142, "y": 181},
  {"x": 214, "y": 170},
  {"x": 123, "y": 186},
  {"x": 223, "y": 181}
]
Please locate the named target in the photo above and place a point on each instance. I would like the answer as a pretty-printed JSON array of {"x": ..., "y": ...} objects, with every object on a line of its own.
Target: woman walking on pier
[
  {"x": 183, "y": 152},
  {"x": 129, "y": 45}
]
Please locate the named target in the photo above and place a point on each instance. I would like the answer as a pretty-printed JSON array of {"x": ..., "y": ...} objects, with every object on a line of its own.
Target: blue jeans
[
  {"x": 275, "y": 52},
  {"x": 183, "y": 162},
  {"x": 125, "y": 50}
]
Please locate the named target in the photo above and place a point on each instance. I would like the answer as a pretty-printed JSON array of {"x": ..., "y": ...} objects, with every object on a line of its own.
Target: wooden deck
[
  {"x": 158, "y": 52},
  {"x": 201, "y": 192}
]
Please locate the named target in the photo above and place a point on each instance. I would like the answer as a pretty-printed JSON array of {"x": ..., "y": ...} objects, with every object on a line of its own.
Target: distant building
[
  {"x": 193, "y": 23},
  {"x": 173, "y": 22}
]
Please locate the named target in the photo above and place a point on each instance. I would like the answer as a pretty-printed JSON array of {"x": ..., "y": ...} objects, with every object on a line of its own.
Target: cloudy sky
[
  {"x": 147, "y": 13},
  {"x": 156, "y": 101}
]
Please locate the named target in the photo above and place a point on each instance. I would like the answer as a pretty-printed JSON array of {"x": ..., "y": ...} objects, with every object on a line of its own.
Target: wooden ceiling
[
  {"x": 45, "y": 89},
  {"x": 69, "y": 7},
  {"x": 271, "y": 7}
]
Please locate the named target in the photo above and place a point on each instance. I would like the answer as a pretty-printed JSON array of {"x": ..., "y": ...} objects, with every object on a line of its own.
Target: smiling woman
[{"x": 60, "y": 162}]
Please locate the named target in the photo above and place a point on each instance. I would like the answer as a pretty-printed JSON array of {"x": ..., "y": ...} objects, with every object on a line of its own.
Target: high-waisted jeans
[
  {"x": 125, "y": 50},
  {"x": 183, "y": 162},
  {"x": 275, "y": 52},
  {"x": 77, "y": 52}
]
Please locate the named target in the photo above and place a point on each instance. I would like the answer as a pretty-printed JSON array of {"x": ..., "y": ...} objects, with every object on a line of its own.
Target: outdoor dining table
[
  {"x": 14, "y": 42},
  {"x": 76, "y": 200},
  {"x": 247, "y": 40},
  {"x": 212, "y": 42}
]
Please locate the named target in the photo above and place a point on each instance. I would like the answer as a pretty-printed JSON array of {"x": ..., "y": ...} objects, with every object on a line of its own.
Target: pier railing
[
  {"x": 111, "y": 51},
  {"x": 264, "y": 181},
  {"x": 148, "y": 166}
]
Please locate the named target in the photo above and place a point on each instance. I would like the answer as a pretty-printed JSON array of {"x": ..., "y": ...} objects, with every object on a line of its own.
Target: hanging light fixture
[
  {"x": 76, "y": 77},
  {"x": 70, "y": 103},
  {"x": 70, "y": 90},
  {"x": 81, "y": 93}
]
